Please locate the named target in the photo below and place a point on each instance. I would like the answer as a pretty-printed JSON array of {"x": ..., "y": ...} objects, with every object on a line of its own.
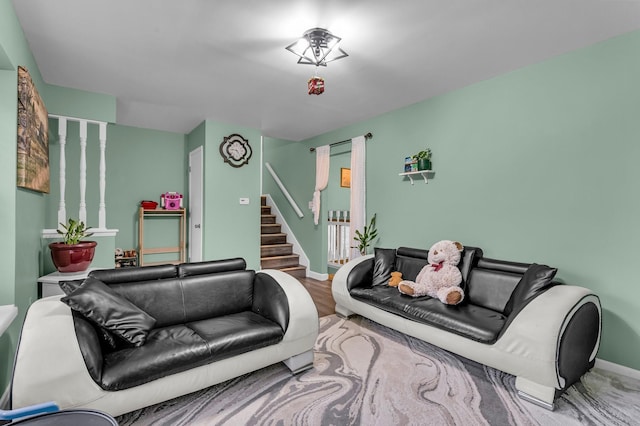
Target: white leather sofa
[
  {"x": 51, "y": 363},
  {"x": 547, "y": 341}
]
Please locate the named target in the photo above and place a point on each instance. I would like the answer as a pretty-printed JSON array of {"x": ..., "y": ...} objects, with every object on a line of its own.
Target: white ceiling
[{"x": 172, "y": 64}]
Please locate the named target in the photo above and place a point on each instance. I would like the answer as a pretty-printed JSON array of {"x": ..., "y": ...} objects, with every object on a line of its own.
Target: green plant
[
  {"x": 74, "y": 232},
  {"x": 425, "y": 154},
  {"x": 368, "y": 234}
]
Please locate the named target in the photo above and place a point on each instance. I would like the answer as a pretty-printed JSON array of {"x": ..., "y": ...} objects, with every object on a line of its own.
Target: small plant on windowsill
[
  {"x": 73, "y": 254},
  {"x": 366, "y": 237}
]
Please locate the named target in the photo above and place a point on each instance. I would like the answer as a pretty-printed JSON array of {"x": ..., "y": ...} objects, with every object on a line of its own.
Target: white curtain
[
  {"x": 322, "y": 178},
  {"x": 358, "y": 211}
]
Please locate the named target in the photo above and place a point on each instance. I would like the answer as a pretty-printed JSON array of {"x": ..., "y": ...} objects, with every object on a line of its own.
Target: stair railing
[
  {"x": 338, "y": 238},
  {"x": 284, "y": 190}
]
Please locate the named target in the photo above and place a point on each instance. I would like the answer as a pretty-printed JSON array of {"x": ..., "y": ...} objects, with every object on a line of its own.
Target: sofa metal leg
[
  {"x": 301, "y": 362},
  {"x": 536, "y": 401},
  {"x": 536, "y": 393}
]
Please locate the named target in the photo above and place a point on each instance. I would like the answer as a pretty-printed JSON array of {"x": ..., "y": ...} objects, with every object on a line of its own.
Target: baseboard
[
  {"x": 617, "y": 368},
  {"x": 318, "y": 276}
]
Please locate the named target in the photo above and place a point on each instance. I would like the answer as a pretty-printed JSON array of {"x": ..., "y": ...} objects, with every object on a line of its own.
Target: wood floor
[{"x": 320, "y": 292}]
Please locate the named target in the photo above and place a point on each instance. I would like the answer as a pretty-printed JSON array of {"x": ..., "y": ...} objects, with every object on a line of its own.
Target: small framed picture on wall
[{"x": 345, "y": 178}]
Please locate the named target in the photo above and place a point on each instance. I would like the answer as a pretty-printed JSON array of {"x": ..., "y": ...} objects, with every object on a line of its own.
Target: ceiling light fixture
[{"x": 318, "y": 47}]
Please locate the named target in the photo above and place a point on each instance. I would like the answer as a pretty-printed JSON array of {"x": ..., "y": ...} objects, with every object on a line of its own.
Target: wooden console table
[{"x": 180, "y": 249}]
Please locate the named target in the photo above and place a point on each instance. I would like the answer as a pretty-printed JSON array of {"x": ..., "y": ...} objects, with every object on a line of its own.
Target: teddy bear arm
[{"x": 422, "y": 273}]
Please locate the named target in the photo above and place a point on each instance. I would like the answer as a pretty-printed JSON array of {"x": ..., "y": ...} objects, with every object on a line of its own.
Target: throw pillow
[
  {"x": 107, "y": 340},
  {"x": 69, "y": 287},
  {"x": 102, "y": 305},
  {"x": 384, "y": 264},
  {"x": 536, "y": 279}
]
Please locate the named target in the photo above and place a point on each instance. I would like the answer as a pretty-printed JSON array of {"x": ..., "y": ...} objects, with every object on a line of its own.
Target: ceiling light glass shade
[{"x": 317, "y": 47}]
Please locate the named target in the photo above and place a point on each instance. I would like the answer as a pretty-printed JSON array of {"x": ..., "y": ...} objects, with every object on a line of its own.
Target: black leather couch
[
  {"x": 514, "y": 316},
  {"x": 137, "y": 336}
]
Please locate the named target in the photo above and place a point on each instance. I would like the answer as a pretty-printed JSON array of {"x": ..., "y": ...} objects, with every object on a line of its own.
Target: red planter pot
[{"x": 72, "y": 257}]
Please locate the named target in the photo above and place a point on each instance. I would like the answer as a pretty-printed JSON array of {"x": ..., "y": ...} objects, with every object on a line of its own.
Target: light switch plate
[{"x": 244, "y": 201}]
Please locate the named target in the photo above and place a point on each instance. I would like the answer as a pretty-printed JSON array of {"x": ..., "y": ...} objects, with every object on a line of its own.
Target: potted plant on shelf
[
  {"x": 73, "y": 254},
  {"x": 368, "y": 234},
  {"x": 424, "y": 159}
]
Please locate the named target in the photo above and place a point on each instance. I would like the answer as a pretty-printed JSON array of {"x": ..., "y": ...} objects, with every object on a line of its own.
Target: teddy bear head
[{"x": 445, "y": 251}]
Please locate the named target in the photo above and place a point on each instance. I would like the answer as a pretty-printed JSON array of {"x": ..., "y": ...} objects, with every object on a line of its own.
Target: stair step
[
  {"x": 276, "y": 250},
  {"x": 265, "y": 210},
  {"x": 298, "y": 271},
  {"x": 263, "y": 200},
  {"x": 271, "y": 228},
  {"x": 268, "y": 239},
  {"x": 267, "y": 219},
  {"x": 279, "y": 262}
]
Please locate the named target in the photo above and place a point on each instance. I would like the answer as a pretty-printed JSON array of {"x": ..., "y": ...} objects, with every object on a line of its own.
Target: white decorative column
[
  {"x": 102, "y": 210},
  {"x": 83, "y": 171},
  {"x": 101, "y": 230},
  {"x": 62, "y": 134}
]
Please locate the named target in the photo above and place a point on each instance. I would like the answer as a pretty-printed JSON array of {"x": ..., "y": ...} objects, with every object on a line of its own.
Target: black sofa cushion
[
  {"x": 535, "y": 280},
  {"x": 173, "y": 349},
  {"x": 471, "y": 321},
  {"x": 490, "y": 289},
  {"x": 384, "y": 264},
  {"x": 238, "y": 333},
  {"x": 168, "y": 350},
  {"x": 146, "y": 273},
  {"x": 211, "y": 267},
  {"x": 223, "y": 293},
  {"x": 410, "y": 261},
  {"x": 100, "y": 304},
  {"x": 179, "y": 300}
]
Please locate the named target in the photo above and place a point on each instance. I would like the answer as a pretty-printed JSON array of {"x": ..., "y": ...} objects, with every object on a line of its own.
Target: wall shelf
[{"x": 423, "y": 173}]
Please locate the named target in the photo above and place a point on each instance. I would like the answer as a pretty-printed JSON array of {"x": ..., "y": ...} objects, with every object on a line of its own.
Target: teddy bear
[
  {"x": 440, "y": 278},
  {"x": 396, "y": 277}
]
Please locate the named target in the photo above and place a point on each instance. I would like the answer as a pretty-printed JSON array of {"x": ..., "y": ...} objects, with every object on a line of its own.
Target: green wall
[
  {"x": 536, "y": 165},
  {"x": 230, "y": 229},
  {"x": 80, "y": 104},
  {"x": 23, "y": 209}
]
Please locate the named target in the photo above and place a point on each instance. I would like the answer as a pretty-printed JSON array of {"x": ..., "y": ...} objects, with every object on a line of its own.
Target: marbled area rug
[{"x": 366, "y": 374}]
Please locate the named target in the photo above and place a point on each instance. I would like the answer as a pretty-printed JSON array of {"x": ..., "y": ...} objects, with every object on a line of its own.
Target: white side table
[
  {"x": 48, "y": 285},
  {"x": 7, "y": 314}
]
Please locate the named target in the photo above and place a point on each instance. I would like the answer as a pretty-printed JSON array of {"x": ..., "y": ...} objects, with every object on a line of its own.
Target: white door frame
[{"x": 195, "y": 203}]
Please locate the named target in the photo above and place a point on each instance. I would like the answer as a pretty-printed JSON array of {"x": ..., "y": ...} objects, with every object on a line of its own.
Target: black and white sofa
[
  {"x": 514, "y": 317},
  {"x": 128, "y": 338}
]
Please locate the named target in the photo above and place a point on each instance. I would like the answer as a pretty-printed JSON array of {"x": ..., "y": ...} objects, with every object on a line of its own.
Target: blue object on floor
[
  {"x": 32, "y": 410},
  {"x": 49, "y": 414}
]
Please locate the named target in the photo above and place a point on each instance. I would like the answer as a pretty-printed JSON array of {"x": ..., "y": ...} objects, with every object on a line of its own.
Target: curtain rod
[{"x": 367, "y": 136}]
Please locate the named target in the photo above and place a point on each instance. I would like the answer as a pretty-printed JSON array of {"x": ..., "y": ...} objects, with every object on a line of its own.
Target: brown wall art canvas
[{"x": 33, "y": 136}]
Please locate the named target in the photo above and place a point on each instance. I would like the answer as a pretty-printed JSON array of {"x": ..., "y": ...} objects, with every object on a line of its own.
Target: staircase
[{"x": 275, "y": 252}]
